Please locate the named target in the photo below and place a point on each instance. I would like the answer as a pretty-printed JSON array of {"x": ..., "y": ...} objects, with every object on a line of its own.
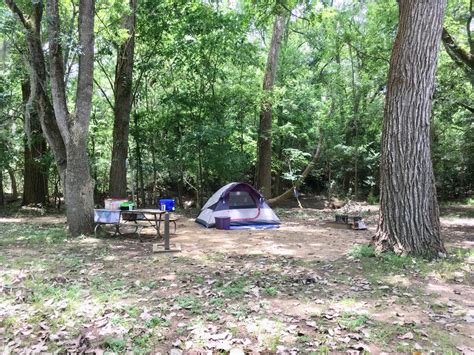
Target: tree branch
[
  {"x": 104, "y": 93},
  {"x": 15, "y": 9},
  {"x": 461, "y": 55}
]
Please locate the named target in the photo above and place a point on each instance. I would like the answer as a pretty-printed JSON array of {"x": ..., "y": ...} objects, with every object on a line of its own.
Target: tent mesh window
[{"x": 241, "y": 199}]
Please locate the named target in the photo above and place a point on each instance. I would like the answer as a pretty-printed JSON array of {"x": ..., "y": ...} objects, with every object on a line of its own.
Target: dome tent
[{"x": 242, "y": 203}]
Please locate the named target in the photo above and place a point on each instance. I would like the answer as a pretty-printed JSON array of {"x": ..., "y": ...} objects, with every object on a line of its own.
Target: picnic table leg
[
  {"x": 158, "y": 225},
  {"x": 167, "y": 231}
]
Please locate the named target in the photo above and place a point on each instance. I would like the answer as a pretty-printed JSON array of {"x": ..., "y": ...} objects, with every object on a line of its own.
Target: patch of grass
[
  {"x": 352, "y": 321},
  {"x": 235, "y": 288},
  {"x": 270, "y": 291},
  {"x": 348, "y": 301},
  {"x": 142, "y": 342},
  {"x": 272, "y": 342},
  {"x": 362, "y": 251},
  {"x": 190, "y": 303},
  {"x": 115, "y": 344},
  {"x": 212, "y": 317},
  {"x": 217, "y": 302},
  {"x": 199, "y": 279},
  {"x": 157, "y": 322},
  {"x": 32, "y": 234},
  {"x": 304, "y": 338}
]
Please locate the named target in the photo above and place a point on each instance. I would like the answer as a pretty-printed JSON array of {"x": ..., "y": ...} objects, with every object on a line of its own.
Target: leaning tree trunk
[
  {"x": 122, "y": 107},
  {"x": 288, "y": 193},
  {"x": 74, "y": 128},
  {"x": 35, "y": 174},
  {"x": 409, "y": 215},
  {"x": 38, "y": 82},
  {"x": 264, "y": 167}
]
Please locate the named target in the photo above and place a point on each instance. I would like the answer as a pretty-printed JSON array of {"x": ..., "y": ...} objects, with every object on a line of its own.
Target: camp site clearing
[{"x": 308, "y": 286}]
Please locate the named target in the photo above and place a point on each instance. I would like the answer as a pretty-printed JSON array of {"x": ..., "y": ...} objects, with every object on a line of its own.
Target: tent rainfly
[{"x": 242, "y": 203}]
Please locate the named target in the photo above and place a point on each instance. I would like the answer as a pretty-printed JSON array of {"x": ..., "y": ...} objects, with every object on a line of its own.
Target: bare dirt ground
[{"x": 309, "y": 286}]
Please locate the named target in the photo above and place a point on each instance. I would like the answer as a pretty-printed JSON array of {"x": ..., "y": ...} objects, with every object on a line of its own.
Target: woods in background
[{"x": 178, "y": 91}]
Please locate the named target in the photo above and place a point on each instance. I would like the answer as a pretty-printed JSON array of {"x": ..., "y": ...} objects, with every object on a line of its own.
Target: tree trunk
[
  {"x": 264, "y": 162},
  {"x": 122, "y": 107},
  {"x": 35, "y": 174},
  {"x": 2, "y": 193},
  {"x": 288, "y": 193},
  {"x": 13, "y": 184},
  {"x": 38, "y": 82},
  {"x": 74, "y": 128},
  {"x": 409, "y": 214}
]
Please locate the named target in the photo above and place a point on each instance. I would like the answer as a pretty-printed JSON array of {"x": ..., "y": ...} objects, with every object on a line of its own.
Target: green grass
[
  {"x": 352, "y": 321},
  {"x": 32, "y": 234},
  {"x": 115, "y": 344},
  {"x": 270, "y": 291},
  {"x": 192, "y": 304},
  {"x": 362, "y": 251},
  {"x": 235, "y": 288}
]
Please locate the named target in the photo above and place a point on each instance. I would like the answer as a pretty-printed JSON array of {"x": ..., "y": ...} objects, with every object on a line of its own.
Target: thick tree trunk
[
  {"x": 2, "y": 193},
  {"x": 13, "y": 184},
  {"x": 35, "y": 174},
  {"x": 264, "y": 162},
  {"x": 74, "y": 128},
  {"x": 122, "y": 107},
  {"x": 409, "y": 215}
]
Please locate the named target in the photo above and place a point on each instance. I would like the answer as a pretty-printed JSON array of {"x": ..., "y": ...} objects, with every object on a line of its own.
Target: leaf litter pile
[{"x": 113, "y": 295}]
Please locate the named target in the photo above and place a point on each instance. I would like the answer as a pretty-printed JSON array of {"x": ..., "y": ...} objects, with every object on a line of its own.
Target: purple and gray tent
[{"x": 242, "y": 203}]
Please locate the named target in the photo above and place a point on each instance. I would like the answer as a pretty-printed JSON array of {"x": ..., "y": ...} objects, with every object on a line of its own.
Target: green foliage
[{"x": 197, "y": 93}]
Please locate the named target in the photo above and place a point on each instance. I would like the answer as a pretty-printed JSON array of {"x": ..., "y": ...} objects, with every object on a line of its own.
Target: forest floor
[{"x": 309, "y": 286}]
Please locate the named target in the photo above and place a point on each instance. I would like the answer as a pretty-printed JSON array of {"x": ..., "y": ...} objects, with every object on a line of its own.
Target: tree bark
[
  {"x": 409, "y": 214},
  {"x": 2, "y": 193},
  {"x": 122, "y": 107},
  {"x": 74, "y": 128},
  {"x": 13, "y": 184},
  {"x": 288, "y": 193},
  {"x": 264, "y": 162},
  {"x": 35, "y": 174}
]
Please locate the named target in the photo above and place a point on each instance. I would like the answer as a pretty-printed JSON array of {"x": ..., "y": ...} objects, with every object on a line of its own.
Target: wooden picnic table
[{"x": 153, "y": 216}]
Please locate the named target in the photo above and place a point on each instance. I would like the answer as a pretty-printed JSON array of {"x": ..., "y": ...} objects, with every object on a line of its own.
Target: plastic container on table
[
  {"x": 222, "y": 222},
  {"x": 106, "y": 216},
  {"x": 166, "y": 204},
  {"x": 114, "y": 203},
  {"x": 127, "y": 206}
]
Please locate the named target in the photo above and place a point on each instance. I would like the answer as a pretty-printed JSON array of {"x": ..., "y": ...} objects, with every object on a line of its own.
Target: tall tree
[
  {"x": 74, "y": 127},
  {"x": 38, "y": 81},
  {"x": 35, "y": 173},
  {"x": 264, "y": 167},
  {"x": 2, "y": 194},
  {"x": 409, "y": 215},
  {"x": 122, "y": 106}
]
